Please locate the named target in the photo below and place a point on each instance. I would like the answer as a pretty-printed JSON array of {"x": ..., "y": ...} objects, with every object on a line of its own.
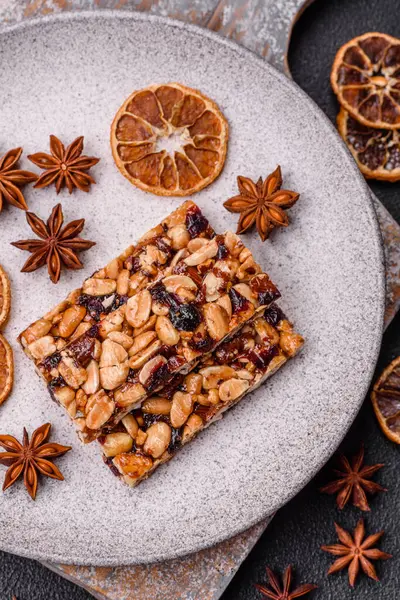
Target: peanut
[
  {"x": 156, "y": 406},
  {"x": 166, "y": 331},
  {"x": 182, "y": 406},
  {"x": 232, "y": 389},
  {"x": 138, "y": 308},
  {"x": 158, "y": 439},
  {"x": 117, "y": 443}
]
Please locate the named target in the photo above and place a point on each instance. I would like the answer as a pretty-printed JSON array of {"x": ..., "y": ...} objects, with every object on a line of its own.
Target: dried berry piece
[
  {"x": 196, "y": 223},
  {"x": 185, "y": 317}
]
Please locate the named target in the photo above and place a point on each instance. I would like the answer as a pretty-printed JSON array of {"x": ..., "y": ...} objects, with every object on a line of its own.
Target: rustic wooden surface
[{"x": 263, "y": 26}]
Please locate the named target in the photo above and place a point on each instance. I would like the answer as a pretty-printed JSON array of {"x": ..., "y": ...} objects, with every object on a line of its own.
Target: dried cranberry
[
  {"x": 160, "y": 376},
  {"x": 50, "y": 362},
  {"x": 150, "y": 419},
  {"x": 132, "y": 376},
  {"x": 176, "y": 440},
  {"x": 167, "y": 351},
  {"x": 159, "y": 294},
  {"x": 113, "y": 468},
  {"x": 56, "y": 382},
  {"x": 201, "y": 343},
  {"x": 205, "y": 412},
  {"x": 134, "y": 264},
  {"x": 229, "y": 351},
  {"x": 261, "y": 357},
  {"x": 94, "y": 305},
  {"x": 222, "y": 249},
  {"x": 169, "y": 390},
  {"x": 196, "y": 222},
  {"x": 93, "y": 332},
  {"x": 262, "y": 286},
  {"x": 185, "y": 317},
  {"x": 265, "y": 298},
  {"x": 175, "y": 363},
  {"x": 82, "y": 349},
  {"x": 273, "y": 315},
  {"x": 118, "y": 301},
  {"x": 164, "y": 245},
  {"x": 239, "y": 302}
]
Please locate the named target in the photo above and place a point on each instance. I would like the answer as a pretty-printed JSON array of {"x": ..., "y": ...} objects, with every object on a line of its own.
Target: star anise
[
  {"x": 30, "y": 457},
  {"x": 356, "y": 552},
  {"x": 283, "y": 593},
  {"x": 354, "y": 481},
  {"x": 11, "y": 178},
  {"x": 58, "y": 245},
  {"x": 262, "y": 203},
  {"x": 64, "y": 166}
]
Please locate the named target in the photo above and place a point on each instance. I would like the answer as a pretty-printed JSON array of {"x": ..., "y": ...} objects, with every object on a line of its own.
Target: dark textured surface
[{"x": 307, "y": 522}]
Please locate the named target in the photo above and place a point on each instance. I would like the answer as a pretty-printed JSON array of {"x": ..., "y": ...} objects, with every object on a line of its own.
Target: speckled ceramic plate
[{"x": 68, "y": 76}]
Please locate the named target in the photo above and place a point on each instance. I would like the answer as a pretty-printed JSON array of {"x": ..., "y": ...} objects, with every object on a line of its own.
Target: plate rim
[{"x": 259, "y": 513}]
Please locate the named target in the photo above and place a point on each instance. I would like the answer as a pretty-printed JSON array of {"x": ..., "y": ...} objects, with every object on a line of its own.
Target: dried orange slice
[
  {"x": 376, "y": 151},
  {"x": 386, "y": 401},
  {"x": 5, "y": 296},
  {"x": 365, "y": 77},
  {"x": 6, "y": 369},
  {"x": 169, "y": 139}
]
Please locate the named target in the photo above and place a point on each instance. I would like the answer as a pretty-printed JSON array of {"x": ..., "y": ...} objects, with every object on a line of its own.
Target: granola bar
[
  {"x": 151, "y": 435},
  {"x": 109, "y": 288},
  {"x": 166, "y": 328}
]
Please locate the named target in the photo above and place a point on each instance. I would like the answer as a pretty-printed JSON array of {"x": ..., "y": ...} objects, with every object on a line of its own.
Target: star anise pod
[
  {"x": 354, "y": 481},
  {"x": 283, "y": 593},
  {"x": 356, "y": 552},
  {"x": 262, "y": 203},
  {"x": 11, "y": 178},
  {"x": 58, "y": 245},
  {"x": 30, "y": 458},
  {"x": 64, "y": 166}
]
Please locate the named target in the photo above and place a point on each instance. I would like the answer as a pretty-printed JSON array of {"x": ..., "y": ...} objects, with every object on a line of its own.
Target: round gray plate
[{"x": 68, "y": 76}]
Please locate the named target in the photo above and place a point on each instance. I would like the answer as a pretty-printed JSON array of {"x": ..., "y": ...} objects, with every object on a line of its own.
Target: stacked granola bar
[{"x": 185, "y": 314}]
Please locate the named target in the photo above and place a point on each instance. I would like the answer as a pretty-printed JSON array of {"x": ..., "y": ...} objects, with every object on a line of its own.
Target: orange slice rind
[
  {"x": 385, "y": 398},
  {"x": 5, "y": 296},
  {"x": 376, "y": 151},
  {"x": 6, "y": 369},
  {"x": 169, "y": 139},
  {"x": 365, "y": 77}
]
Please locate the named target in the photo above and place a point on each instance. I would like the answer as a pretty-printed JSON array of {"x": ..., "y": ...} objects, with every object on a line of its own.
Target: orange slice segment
[
  {"x": 365, "y": 77},
  {"x": 386, "y": 401},
  {"x": 5, "y": 296},
  {"x": 169, "y": 139},
  {"x": 6, "y": 369},
  {"x": 376, "y": 151}
]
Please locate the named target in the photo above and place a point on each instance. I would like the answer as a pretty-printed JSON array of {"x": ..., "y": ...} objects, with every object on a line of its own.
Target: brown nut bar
[
  {"x": 111, "y": 287},
  {"x": 151, "y": 435},
  {"x": 166, "y": 328}
]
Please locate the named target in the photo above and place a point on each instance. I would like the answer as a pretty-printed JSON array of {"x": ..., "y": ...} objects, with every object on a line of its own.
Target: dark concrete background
[{"x": 303, "y": 525}]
